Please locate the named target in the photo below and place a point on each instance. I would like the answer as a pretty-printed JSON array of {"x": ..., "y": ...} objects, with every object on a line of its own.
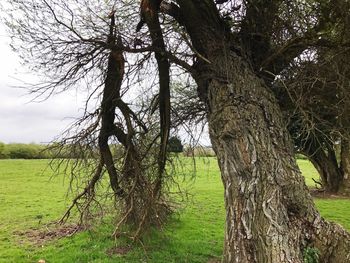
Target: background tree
[
  {"x": 234, "y": 51},
  {"x": 81, "y": 44},
  {"x": 2, "y": 147},
  {"x": 175, "y": 145},
  {"x": 316, "y": 105},
  {"x": 314, "y": 95}
]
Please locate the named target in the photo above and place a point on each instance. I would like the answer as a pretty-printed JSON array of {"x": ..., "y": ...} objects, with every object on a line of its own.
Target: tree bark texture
[{"x": 270, "y": 215}]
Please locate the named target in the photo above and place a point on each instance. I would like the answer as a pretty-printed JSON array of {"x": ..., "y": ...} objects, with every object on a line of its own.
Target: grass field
[{"x": 30, "y": 200}]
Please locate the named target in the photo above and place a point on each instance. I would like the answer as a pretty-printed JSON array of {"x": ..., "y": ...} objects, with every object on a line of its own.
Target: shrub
[
  {"x": 3, "y": 154},
  {"x": 23, "y": 151},
  {"x": 175, "y": 145}
]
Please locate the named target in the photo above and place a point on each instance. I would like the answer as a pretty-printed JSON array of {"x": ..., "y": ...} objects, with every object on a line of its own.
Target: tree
[
  {"x": 316, "y": 111},
  {"x": 175, "y": 145},
  {"x": 2, "y": 147},
  {"x": 233, "y": 51},
  {"x": 80, "y": 44},
  {"x": 313, "y": 94}
]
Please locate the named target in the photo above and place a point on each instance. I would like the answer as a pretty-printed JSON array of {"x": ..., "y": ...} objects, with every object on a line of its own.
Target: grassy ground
[{"x": 30, "y": 200}]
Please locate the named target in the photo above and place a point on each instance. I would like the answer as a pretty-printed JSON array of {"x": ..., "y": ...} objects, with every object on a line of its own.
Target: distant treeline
[
  {"x": 31, "y": 151},
  {"x": 42, "y": 151},
  {"x": 48, "y": 151}
]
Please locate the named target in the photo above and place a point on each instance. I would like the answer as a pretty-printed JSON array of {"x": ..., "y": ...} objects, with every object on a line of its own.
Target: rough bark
[
  {"x": 149, "y": 10},
  {"x": 270, "y": 215},
  {"x": 111, "y": 96},
  {"x": 263, "y": 188}
]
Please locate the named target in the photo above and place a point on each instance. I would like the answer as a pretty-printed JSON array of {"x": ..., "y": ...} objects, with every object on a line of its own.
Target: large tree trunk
[{"x": 270, "y": 215}]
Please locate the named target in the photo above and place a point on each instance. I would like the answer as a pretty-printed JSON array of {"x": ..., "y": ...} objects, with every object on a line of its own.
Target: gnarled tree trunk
[{"x": 270, "y": 215}]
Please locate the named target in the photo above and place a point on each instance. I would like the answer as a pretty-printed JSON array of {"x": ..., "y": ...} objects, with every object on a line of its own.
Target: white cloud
[{"x": 22, "y": 120}]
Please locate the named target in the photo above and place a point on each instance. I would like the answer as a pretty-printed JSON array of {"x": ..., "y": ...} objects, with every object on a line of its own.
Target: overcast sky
[
  {"x": 25, "y": 121},
  {"x": 22, "y": 120}
]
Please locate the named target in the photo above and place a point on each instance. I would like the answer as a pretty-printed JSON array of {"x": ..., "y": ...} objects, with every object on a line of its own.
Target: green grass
[
  {"x": 336, "y": 210},
  {"x": 27, "y": 198},
  {"x": 30, "y": 200},
  {"x": 309, "y": 172}
]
